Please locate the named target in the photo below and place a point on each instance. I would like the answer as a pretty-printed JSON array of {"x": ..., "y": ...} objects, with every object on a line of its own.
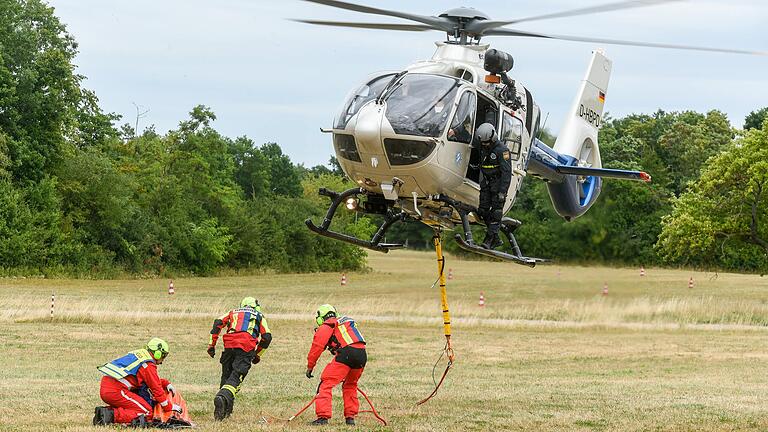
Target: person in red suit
[
  {"x": 246, "y": 337},
  {"x": 342, "y": 338},
  {"x": 125, "y": 377}
]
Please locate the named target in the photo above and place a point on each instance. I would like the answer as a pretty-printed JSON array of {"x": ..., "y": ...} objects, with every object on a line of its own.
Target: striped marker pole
[
  {"x": 605, "y": 289},
  {"x": 690, "y": 283},
  {"x": 642, "y": 271},
  {"x": 53, "y": 300},
  {"x": 171, "y": 290}
]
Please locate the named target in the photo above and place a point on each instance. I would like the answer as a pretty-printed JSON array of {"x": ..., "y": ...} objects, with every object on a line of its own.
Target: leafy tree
[
  {"x": 723, "y": 219},
  {"x": 755, "y": 119}
]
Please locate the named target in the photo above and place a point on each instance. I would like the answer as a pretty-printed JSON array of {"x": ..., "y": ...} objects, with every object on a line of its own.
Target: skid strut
[
  {"x": 508, "y": 226},
  {"x": 374, "y": 243}
]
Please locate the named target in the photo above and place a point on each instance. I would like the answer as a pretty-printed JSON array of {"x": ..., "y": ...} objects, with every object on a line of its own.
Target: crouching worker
[
  {"x": 126, "y": 378},
  {"x": 342, "y": 338},
  {"x": 245, "y": 339}
]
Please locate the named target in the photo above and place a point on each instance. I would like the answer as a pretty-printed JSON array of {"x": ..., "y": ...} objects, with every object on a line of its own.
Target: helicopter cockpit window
[
  {"x": 462, "y": 126},
  {"x": 360, "y": 97},
  {"x": 420, "y": 104},
  {"x": 512, "y": 134}
]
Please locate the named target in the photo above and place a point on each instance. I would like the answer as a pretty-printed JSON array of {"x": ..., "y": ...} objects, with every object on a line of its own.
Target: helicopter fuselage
[{"x": 408, "y": 137}]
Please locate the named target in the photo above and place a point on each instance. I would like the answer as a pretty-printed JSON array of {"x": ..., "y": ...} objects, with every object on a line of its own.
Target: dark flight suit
[{"x": 496, "y": 170}]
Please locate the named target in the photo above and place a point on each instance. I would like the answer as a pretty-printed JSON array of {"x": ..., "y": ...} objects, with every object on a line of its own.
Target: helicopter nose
[{"x": 368, "y": 131}]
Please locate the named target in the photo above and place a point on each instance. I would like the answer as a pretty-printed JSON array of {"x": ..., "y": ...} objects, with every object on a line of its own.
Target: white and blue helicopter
[{"x": 392, "y": 135}]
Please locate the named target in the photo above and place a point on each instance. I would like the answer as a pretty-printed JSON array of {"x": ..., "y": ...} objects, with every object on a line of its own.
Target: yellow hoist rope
[{"x": 448, "y": 350}]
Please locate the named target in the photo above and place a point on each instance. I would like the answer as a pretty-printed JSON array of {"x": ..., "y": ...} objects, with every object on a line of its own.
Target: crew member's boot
[
  {"x": 140, "y": 422},
  {"x": 220, "y": 405},
  {"x": 319, "y": 422},
  {"x": 223, "y": 403},
  {"x": 350, "y": 421},
  {"x": 103, "y": 416},
  {"x": 492, "y": 239}
]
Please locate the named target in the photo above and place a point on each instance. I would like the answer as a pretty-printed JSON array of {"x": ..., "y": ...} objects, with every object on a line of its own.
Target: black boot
[
  {"x": 319, "y": 422},
  {"x": 140, "y": 422},
  {"x": 103, "y": 416},
  {"x": 219, "y": 407},
  {"x": 495, "y": 242},
  {"x": 350, "y": 421}
]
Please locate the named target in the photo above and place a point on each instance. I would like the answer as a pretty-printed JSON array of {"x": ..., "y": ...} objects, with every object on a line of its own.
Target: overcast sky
[{"x": 272, "y": 79}]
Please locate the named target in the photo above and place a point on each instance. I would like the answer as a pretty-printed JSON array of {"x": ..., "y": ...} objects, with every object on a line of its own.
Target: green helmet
[
  {"x": 324, "y": 312},
  {"x": 250, "y": 302},
  {"x": 158, "y": 349}
]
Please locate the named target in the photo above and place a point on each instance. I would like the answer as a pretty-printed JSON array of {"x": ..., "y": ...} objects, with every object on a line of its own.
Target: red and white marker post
[
  {"x": 450, "y": 274},
  {"x": 171, "y": 291},
  {"x": 605, "y": 289},
  {"x": 642, "y": 271},
  {"x": 343, "y": 279},
  {"x": 481, "y": 302},
  {"x": 690, "y": 283},
  {"x": 53, "y": 300}
]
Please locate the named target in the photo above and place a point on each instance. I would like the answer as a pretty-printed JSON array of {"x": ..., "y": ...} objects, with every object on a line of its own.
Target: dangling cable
[
  {"x": 372, "y": 410},
  {"x": 448, "y": 349}
]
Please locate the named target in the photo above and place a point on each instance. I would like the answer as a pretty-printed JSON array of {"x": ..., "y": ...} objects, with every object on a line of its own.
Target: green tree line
[
  {"x": 78, "y": 196},
  {"x": 81, "y": 196}
]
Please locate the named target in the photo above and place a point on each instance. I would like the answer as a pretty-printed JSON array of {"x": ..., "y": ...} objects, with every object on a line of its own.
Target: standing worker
[
  {"x": 124, "y": 376},
  {"x": 344, "y": 341},
  {"x": 245, "y": 339},
  {"x": 496, "y": 169}
]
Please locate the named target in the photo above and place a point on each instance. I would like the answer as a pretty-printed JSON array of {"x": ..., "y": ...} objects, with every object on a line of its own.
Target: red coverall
[
  {"x": 127, "y": 404},
  {"x": 335, "y": 372}
]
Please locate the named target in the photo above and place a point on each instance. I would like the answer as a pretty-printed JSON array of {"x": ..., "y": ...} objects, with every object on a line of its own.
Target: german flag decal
[{"x": 601, "y": 97}]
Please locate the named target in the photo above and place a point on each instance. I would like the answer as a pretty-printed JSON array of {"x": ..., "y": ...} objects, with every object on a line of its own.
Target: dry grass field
[{"x": 547, "y": 353}]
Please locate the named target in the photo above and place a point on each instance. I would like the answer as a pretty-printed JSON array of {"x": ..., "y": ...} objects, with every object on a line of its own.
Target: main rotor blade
[
  {"x": 377, "y": 26},
  {"x": 437, "y": 23},
  {"x": 508, "y": 32},
  {"x": 480, "y": 27}
]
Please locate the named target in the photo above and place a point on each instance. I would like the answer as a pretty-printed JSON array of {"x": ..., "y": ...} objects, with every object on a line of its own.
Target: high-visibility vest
[
  {"x": 126, "y": 365},
  {"x": 345, "y": 332},
  {"x": 245, "y": 320}
]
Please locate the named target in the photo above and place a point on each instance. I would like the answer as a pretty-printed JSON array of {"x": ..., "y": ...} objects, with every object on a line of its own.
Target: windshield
[
  {"x": 420, "y": 104},
  {"x": 365, "y": 93}
]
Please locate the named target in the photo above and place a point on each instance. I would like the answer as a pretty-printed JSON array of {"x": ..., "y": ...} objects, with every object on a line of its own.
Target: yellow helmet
[
  {"x": 324, "y": 312},
  {"x": 158, "y": 349},
  {"x": 250, "y": 302}
]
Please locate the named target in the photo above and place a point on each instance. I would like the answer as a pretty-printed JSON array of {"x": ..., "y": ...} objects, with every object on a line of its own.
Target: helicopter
[{"x": 396, "y": 134}]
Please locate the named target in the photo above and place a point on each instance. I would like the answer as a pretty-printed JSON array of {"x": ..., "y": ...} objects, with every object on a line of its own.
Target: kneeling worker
[
  {"x": 344, "y": 341},
  {"x": 246, "y": 338},
  {"x": 127, "y": 375}
]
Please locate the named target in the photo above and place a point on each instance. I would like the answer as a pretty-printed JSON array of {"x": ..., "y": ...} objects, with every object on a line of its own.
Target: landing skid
[
  {"x": 508, "y": 226},
  {"x": 372, "y": 244},
  {"x": 526, "y": 261}
]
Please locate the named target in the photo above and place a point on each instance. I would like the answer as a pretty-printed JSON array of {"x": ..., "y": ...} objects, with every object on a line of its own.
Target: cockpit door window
[
  {"x": 463, "y": 124},
  {"x": 512, "y": 134}
]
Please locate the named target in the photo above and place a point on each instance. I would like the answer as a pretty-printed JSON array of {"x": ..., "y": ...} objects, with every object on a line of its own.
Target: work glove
[
  {"x": 256, "y": 359},
  {"x": 171, "y": 389},
  {"x": 309, "y": 373},
  {"x": 177, "y": 408},
  {"x": 212, "y": 351}
]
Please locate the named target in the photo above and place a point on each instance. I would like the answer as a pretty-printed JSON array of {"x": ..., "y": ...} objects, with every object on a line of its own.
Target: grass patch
[{"x": 546, "y": 353}]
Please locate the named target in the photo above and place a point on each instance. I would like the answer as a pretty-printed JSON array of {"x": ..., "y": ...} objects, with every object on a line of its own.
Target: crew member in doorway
[{"x": 496, "y": 175}]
